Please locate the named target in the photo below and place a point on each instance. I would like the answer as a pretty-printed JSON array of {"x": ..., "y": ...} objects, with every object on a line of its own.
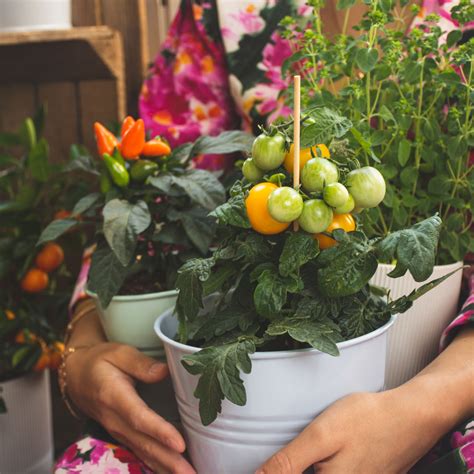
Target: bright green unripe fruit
[
  {"x": 285, "y": 204},
  {"x": 347, "y": 207},
  {"x": 318, "y": 173},
  {"x": 335, "y": 194},
  {"x": 251, "y": 171},
  {"x": 366, "y": 186},
  {"x": 316, "y": 216}
]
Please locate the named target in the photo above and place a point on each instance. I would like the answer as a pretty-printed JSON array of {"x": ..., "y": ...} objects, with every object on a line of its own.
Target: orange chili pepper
[
  {"x": 134, "y": 141},
  {"x": 106, "y": 140},
  {"x": 156, "y": 147},
  {"x": 127, "y": 124}
]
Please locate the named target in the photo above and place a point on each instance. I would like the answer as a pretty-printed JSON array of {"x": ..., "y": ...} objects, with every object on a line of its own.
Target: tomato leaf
[
  {"x": 123, "y": 222},
  {"x": 328, "y": 125},
  {"x": 233, "y": 211},
  {"x": 414, "y": 248},
  {"x": 346, "y": 268},
  {"x": 220, "y": 368},
  {"x": 299, "y": 249}
]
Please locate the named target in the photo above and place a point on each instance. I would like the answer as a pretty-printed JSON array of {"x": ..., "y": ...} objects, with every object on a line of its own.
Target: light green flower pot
[{"x": 130, "y": 319}]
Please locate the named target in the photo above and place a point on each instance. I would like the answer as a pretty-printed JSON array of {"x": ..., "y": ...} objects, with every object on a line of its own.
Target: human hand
[
  {"x": 101, "y": 382},
  {"x": 365, "y": 433}
]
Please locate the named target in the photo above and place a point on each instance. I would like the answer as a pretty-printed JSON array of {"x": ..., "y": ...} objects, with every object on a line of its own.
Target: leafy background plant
[
  {"x": 146, "y": 231},
  {"x": 32, "y": 191},
  {"x": 409, "y": 95}
]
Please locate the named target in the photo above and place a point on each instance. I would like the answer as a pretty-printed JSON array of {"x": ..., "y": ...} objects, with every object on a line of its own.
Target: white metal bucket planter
[
  {"x": 26, "y": 430},
  {"x": 414, "y": 340},
  {"x": 28, "y": 15},
  {"x": 130, "y": 319},
  {"x": 285, "y": 391}
]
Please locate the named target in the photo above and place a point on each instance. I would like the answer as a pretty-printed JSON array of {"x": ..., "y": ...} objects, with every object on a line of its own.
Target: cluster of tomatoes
[
  {"x": 50, "y": 354},
  {"x": 323, "y": 203},
  {"x": 36, "y": 279}
]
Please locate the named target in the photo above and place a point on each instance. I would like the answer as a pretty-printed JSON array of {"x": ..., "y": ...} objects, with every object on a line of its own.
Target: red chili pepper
[
  {"x": 134, "y": 141},
  {"x": 156, "y": 147},
  {"x": 106, "y": 140},
  {"x": 127, "y": 124}
]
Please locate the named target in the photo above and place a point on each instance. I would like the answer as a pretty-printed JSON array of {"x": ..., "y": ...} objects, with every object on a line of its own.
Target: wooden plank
[
  {"x": 162, "y": 22},
  {"x": 123, "y": 15},
  {"x": 154, "y": 38},
  {"x": 61, "y": 126},
  {"x": 98, "y": 101},
  {"x": 17, "y": 101},
  {"x": 68, "y": 55},
  {"x": 86, "y": 12}
]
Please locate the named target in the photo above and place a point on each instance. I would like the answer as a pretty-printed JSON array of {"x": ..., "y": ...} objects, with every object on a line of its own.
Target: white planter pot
[
  {"x": 27, "y": 15},
  {"x": 285, "y": 391},
  {"x": 129, "y": 319},
  {"x": 414, "y": 340},
  {"x": 26, "y": 430}
]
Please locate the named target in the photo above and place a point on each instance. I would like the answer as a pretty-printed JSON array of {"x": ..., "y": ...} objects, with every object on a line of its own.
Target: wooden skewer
[{"x": 296, "y": 136}]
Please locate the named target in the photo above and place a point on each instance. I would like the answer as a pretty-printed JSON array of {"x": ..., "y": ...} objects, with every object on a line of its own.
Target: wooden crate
[
  {"x": 78, "y": 73},
  {"x": 143, "y": 25}
]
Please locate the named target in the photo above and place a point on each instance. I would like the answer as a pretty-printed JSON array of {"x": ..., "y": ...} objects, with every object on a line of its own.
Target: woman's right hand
[{"x": 101, "y": 382}]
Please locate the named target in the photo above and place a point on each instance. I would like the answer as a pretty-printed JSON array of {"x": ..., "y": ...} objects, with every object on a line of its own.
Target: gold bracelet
[
  {"x": 88, "y": 307},
  {"x": 62, "y": 379}
]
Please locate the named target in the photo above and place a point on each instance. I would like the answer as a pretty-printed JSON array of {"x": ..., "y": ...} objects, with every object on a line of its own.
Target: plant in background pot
[
  {"x": 35, "y": 287},
  {"x": 149, "y": 218},
  {"x": 410, "y": 95},
  {"x": 280, "y": 322}
]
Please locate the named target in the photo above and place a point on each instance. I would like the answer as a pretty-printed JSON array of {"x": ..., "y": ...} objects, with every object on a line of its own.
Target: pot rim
[
  {"x": 447, "y": 266},
  {"x": 132, "y": 298},
  {"x": 270, "y": 354}
]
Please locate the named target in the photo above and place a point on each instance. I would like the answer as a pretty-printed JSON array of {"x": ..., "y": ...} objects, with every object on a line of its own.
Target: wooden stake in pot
[{"x": 296, "y": 136}]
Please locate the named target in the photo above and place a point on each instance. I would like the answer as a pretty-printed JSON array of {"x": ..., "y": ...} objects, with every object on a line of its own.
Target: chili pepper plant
[
  {"x": 35, "y": 281},
  {"x": 150, "y": 213},
  {"x": 293, "y": 264},
  {"x": 409, "y": 95}
]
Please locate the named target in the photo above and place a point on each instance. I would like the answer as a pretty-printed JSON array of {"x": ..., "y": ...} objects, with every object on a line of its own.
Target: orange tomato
[
  {"x": 25, "y": 336},
  {"x": 257, "y": 210},
  {"x": 62, "y": 214},
  {"x": 50, "y": 257},
  {"x": 305, "y": 155},
  {"x": 35, "y": 281},
  {"x": 10, "y": 314},
  {"x": 340, "y": 221},
  {"x": 43, "y": 362},
  {"x": 55, "y": 354}
]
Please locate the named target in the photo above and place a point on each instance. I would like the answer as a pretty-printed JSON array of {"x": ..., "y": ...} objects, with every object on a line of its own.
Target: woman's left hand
[{"x": 365, "y": 433}]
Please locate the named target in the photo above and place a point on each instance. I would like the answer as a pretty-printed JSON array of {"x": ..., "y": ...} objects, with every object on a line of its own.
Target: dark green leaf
[
  {"x": 81, "y": 160},
  {"x": 123, "y": 223},
  {"x": 299, "y": 249},
  {"x": 227, "y": 142},
  {"x": 319, "y": 335},
  {"x": 202, "y": 187},
  {"x": 347, "y": 267},
  {"x": 220, "y": 376},
  {"x": 55, "y": 229},
  {"x": 414, "y": 248},
  {"x": 327, "y": 125},
  {"x": 106, "y": 275},
  {"x": 233, "y": 212},
  {"x": 85, "y": 203}
]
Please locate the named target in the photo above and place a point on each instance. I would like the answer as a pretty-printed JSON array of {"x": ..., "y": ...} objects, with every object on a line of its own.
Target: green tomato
[
  {"x": 347, "y": 207},
  {"x": 251, "y": 171},
  {"x": 285, "y": 204},
  {"x": 335, "y": 194},
  {"x": 316, "y": 216},
  {"x": 318, "y": 173},
  {"x": 366, "y": 186},
  {"x": 269, "y": 152}
]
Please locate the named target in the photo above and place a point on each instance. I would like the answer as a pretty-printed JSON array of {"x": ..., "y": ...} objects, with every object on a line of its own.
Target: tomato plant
[{"x": 268, "y": 152}]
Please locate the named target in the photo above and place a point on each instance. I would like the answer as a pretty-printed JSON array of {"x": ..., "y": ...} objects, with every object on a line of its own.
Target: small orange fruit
[
  {"x": 35, "y": 281},
  {"x": 55, "y": 353},
  {"x": 50, "y": 257},
  {"x": 62, "y": 214},
  {"x": 257, "y": 210},
  {"x": 43, "y": 362},
  {"x": 25, "y": 337},
  {"x": 320, "y": 150},
  {"x": 340, "y": 221},
  {"x": 10, "y": 314}
]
